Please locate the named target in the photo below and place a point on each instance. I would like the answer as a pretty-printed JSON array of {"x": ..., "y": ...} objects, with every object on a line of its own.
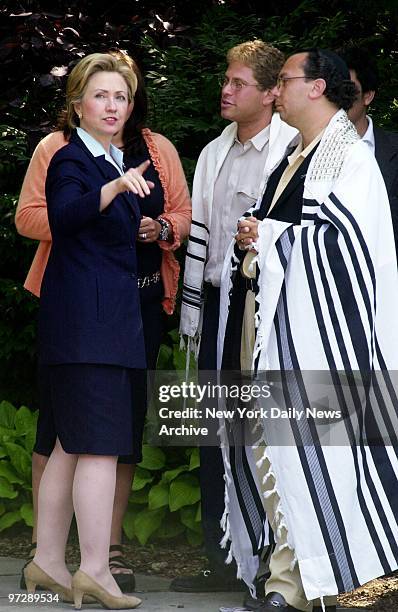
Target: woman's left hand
[{"x": 149, "y": 230}]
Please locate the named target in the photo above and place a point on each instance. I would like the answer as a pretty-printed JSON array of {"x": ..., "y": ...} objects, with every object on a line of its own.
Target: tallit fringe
[
  {"x": 225, "y": 525},
  {"x": 279, "y": 521},
  {"x": 268, "y": 475},
  {"x": 257, "y": 425},
  {"x": 224, "y": 522},
  {"x": 260, "y": 462},
  {"x": 293, "y": 563},
  {"x": 226, "y": 536},
  {"x": 191, "y": 345},
  {"x": 254, "y": 261}
]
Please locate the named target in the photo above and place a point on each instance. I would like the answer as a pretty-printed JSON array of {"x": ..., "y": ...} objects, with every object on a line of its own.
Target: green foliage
[
  {"x": 17, "y": 435},
  {"x": 171, "y": 356},
  {"x": 165, "y": 500},
  {"x": 165, "y": 497},
  {"x": 186, "y": 79},
  {"x": 13, "y": 157}
]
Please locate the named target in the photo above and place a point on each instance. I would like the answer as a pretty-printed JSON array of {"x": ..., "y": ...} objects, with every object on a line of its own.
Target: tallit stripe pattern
[
  {"x": 197, "y": 257},
  {"x": 197, "y": 240},
  {"x": 201, "y": 225},
  {"x": 254, "y": 514},
  {"x": 339, "y": 271},
  {"x": 312, "y": 461},
  {"x": 332, "y": 363},
  {"x": 328, "y": 298}
]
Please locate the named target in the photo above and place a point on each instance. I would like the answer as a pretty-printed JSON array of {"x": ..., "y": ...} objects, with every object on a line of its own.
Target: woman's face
[{"x": 104, "y": 107}]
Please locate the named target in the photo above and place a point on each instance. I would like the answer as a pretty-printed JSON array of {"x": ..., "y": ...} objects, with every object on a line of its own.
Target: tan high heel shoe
[
  {"x": 82, "y": 584},
  {"x": 34, "y": 576}
]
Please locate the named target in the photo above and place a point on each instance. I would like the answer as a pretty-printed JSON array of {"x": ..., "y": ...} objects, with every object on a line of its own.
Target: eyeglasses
[
  {"x": 236, "y": 84},
  {"x": 281, "y": 80}
]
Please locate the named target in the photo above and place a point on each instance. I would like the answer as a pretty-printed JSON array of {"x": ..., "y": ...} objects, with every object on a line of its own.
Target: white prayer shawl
[
  {"x": 207, "y": 170},
  {"x": 327, "y": 300}
]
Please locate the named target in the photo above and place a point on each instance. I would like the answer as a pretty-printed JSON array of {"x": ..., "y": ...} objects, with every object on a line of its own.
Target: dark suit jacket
[
  {"x": 89, "y": 302},
  {"x": 386, "y": 151}
]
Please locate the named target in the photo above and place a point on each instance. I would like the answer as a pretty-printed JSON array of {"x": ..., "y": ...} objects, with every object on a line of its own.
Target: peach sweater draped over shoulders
[{"x": 32, "y": 221}]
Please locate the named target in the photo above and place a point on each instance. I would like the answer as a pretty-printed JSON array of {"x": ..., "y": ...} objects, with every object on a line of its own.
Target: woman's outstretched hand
[
  {"x": 136, "y": 182},
  {"x": 132, "y": 180}
]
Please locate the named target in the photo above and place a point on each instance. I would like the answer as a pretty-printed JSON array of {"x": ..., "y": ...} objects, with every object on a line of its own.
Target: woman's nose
[{"x": 111, "y": 103}]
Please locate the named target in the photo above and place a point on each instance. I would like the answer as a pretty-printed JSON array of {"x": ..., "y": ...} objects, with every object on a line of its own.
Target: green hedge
[
  {"x": 17, "y": 437},
  {"x": 165, "y": 497}
]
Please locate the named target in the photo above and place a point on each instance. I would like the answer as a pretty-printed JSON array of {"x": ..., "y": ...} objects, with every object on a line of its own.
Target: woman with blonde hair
[
  {"x": 158, "y": 273},
  {"x": 90, "y": 332}
]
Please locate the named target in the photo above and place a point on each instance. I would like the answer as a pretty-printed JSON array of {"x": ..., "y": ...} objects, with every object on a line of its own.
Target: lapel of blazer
[
  {"x": 109, "y": 173},
  {"x": 385, "y": 153},
  {"x": 106, "y": 169}
]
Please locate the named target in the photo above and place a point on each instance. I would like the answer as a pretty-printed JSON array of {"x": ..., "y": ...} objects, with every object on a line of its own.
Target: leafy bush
[
  {"x": 165, "y": 497},
  {"x": 17, "y": 437},
  {"x": 165, "y": 501}
]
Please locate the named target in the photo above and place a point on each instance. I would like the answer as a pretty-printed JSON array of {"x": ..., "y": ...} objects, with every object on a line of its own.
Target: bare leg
[
  {"x": 93, "y": 497},
  {"x": 124, "y": 478},
  {"x": 55, "y": 513},
  {"x": 39, "y": 462}
]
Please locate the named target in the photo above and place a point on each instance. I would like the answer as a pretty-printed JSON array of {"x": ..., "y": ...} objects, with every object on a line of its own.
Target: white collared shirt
[
  {"x": 236, "y": 189},
  {"x": 115, "y": 155},
  {"x": 369, "y": 136}
]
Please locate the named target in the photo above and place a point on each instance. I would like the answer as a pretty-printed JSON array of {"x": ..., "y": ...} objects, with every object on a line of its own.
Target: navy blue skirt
[{"x": 93, "y": 409}]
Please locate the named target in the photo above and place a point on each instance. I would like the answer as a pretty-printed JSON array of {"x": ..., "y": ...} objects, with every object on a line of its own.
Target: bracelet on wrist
[{"x": 164, "y": 229}]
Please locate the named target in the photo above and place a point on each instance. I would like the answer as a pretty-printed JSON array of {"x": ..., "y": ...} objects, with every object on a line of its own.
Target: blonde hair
[
  {"x": 81, "y": 74},
  {"x": 265, "y": 60}
]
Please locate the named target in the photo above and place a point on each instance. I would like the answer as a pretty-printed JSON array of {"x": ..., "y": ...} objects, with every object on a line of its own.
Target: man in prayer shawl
[
  {"x": 311, "y": 284},
  {"x": 230, "y": 176}
]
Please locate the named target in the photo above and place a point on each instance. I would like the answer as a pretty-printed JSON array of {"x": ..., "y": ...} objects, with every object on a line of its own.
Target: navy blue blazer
[{"x": 89, "y": 301}]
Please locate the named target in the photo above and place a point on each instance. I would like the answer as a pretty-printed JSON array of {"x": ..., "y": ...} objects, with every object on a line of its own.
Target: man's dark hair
[
  {"x": 361, "y": 60},
  {"x": 327, "y": 65}
]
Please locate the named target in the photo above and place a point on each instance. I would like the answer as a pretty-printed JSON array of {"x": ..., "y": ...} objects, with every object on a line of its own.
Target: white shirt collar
[
  {"x": 369, "y": 136},
  {"x": 259, "y": 140},
  {"x": 115, "y": 155}
]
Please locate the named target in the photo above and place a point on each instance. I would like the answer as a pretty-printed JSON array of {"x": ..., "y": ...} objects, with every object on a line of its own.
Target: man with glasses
[
  {"x": 324, "y": 293},
  {"x": 230, "y": 176}
]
